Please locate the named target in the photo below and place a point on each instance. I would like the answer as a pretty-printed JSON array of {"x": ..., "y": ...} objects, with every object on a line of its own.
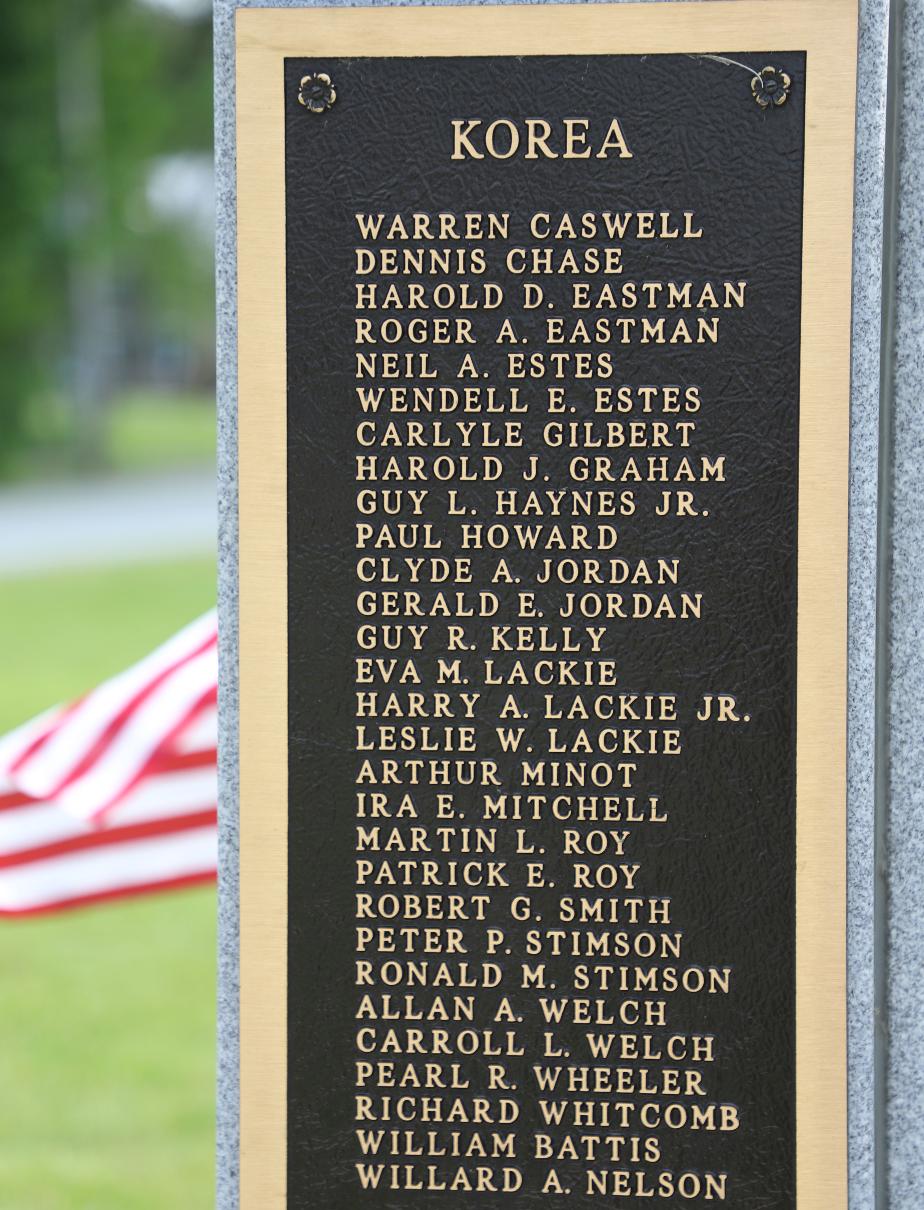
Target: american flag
[{"x": 116, "y": 793}]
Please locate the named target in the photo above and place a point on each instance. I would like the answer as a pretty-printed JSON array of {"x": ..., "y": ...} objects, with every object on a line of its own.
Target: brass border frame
[{"x": 827, "y": 31}]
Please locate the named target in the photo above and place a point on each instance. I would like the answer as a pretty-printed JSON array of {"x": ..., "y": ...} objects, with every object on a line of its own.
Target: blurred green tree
[{"x": 92, "y": 93}]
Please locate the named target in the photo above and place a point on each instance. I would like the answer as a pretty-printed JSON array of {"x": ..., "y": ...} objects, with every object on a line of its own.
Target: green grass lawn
[
  {"x": 64, "y": 632},
  {"x": 106, "y": 1014}
]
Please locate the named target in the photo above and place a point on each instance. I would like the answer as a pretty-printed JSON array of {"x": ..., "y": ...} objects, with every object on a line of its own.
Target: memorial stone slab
[{"x": 569, "y": 798}]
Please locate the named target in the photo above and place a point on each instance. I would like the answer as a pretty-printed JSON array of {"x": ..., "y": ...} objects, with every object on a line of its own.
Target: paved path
[{"x": 119, "y": 519}]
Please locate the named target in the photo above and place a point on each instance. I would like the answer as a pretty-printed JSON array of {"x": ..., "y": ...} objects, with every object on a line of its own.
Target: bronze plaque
[{"x": 543, "y": 422}]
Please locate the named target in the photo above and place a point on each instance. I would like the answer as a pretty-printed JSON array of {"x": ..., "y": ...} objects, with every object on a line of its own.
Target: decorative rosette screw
[
  {"x": 317, "y": 92},
  {"x": 770, "y": 87}
]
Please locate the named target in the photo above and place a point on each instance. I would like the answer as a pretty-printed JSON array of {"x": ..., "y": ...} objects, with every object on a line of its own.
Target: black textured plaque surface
[{"x": 727, "y": 857}]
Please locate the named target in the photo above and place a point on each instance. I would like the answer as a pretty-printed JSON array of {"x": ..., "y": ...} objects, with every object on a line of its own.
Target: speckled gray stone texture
[
  {"x": 872, "y": 79},
  {"x": 905, "y": 1071},
  {"x": 227, "y": 1134},
  {"x": 863, "y": 525}
]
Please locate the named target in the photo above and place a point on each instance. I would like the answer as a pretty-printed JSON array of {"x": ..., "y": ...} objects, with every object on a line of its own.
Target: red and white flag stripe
[{"x": 115, "y": 794}]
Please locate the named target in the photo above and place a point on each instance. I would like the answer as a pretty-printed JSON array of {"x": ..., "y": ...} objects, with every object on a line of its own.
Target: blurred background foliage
[
  {"x": 105, "y": 226},
  {"x": 107, "y": 1030}
]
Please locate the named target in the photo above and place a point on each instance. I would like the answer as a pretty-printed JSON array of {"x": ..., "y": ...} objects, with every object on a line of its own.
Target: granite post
[{"x": 886, "y": 614}]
